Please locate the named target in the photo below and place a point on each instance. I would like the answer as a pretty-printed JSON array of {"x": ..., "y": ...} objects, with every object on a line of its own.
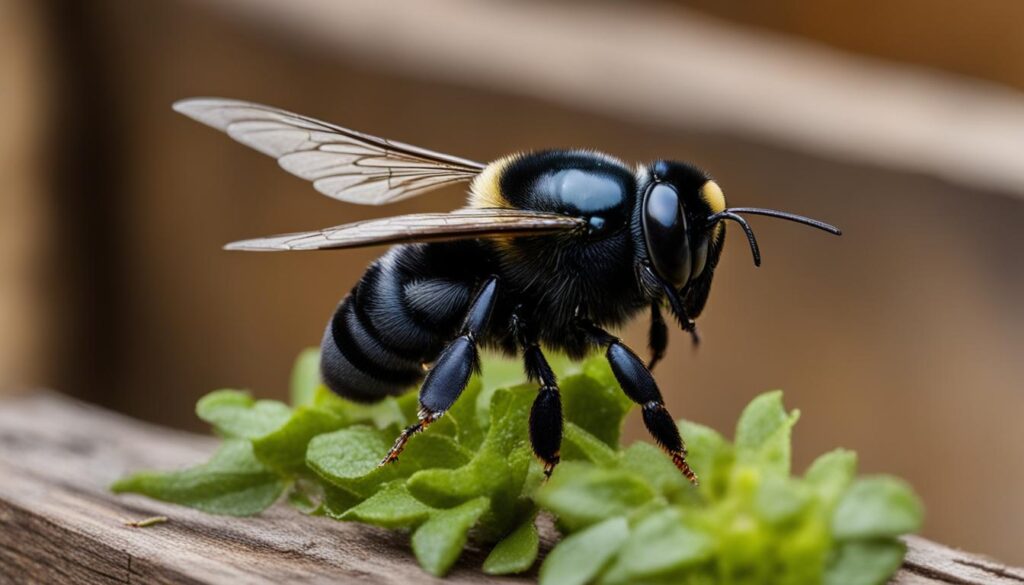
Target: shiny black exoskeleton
[
  {"x": 554, "y": 247},
  {"x": 647, "y": 238}
]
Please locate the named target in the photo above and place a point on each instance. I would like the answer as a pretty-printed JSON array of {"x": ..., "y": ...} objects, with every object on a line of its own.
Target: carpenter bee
[{"x": 553, "y": 247}]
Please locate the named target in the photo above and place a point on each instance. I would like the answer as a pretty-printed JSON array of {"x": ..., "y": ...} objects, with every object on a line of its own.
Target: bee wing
[
  {"x": 417, "y": 227},
  {"x": 341, "y": 163}
]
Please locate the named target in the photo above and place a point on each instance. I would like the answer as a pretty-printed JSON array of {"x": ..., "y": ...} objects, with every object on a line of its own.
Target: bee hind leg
[{"x": 450, "y": 374}]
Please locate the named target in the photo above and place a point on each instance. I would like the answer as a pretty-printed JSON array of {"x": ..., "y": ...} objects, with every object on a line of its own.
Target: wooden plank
[
  {"x": 58, "y": 522},
  {"x": 930, "y": 562}
]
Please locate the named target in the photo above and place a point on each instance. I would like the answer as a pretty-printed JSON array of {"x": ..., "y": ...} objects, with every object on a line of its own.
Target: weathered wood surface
[{"x": 59, "y": 524}]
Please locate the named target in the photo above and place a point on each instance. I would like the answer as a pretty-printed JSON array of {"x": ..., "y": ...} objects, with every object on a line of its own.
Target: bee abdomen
[
  {"x": 350, "y": 368},
  {"x": 382, "y": 333}
]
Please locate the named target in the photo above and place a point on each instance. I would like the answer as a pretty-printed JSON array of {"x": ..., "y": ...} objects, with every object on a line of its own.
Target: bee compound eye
[{"x": 665, "y": 233}]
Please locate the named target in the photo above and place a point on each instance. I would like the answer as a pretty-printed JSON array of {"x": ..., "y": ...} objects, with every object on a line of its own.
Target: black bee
[{"x": 553, "y": 247}]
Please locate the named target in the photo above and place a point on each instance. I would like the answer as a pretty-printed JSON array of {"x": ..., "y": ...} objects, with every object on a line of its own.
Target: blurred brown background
[{"x": 900, "y": 123}]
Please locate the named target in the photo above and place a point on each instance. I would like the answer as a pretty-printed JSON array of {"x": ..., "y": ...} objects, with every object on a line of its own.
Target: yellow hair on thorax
[{"x": 485, "y": 190}]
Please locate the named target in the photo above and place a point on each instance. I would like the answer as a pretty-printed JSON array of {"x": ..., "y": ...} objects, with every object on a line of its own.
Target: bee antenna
[
  {"x": 728, "y": 214},
  {"x": 814, "y": 223}
]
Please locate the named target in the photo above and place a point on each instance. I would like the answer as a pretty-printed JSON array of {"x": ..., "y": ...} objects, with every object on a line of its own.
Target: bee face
[{"x": 675, "y": 202}]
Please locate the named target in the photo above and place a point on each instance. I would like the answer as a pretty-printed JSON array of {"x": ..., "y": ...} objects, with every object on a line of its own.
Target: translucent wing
[
  {"x": 341, "y": 163},
  {"x": 417, "y": 227}
]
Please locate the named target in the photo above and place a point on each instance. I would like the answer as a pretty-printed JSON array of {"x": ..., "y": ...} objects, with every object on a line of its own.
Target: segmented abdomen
[{"x": 396, "y": 319}]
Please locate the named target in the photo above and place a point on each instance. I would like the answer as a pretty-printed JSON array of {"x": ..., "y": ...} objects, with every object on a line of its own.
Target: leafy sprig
[{"x": 626, "y": 513}]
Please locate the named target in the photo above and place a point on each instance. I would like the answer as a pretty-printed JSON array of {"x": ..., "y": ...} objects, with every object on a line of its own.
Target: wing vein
[
  {"x": 330, "y": 155},
  {"x": 419, "y": 227}
]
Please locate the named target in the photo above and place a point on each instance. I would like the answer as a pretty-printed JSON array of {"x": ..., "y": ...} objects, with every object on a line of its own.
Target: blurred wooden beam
[
  {"x": 24, "y": 210},
  {"x": 666, "y": 65}
]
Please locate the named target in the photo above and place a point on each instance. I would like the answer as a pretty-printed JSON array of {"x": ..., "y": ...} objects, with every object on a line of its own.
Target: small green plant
[{"x": 627, "y": 514}]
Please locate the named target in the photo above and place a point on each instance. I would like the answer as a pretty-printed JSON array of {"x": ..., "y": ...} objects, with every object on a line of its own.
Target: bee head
[
  {"x": 681, "y": 212},
  {"x": 675, "y": 204}
]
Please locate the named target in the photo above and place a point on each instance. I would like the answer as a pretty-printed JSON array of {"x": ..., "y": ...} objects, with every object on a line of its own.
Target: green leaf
[
  {"x": 450, "y": 487},
  {"x": 347, "y": 454},
  {"x": 763, "y": 433},
  {"x": 235, "y": 414},
  {"x": 650, "y": 462},
  {"x": 746, "y": 548},
  {"x": 596, "y": 407},
  {"x": 598, "y": 368},
  {"x": 877, "y": 507},
  {"x": 493, "y": 471},
  {"x": 497, "y": 471},
  {"x": 582, "y": 556},
  {"x": 510, "y": 413},
  {"x": 306, "y": 495},
  {"x": 581, "y": 495},
  {"x": 337, "y": 501},
  {"x": 233, "y": 482},
  {"x": 487, "y": 474},
  {"x": 305, "y": 377},
  {"x": 661, "y": 543},
  {"x": 865, "y": 563},
  {"x": 439, "y": 541},
  {"x": 350, "y": 458},
  {"x": 474, "y": 472},
  {"x": 563, "y": 365},
  {"x": 392, "y": 506},
  {"x": 780, "y": 499},
  {"x": 500, "y": 372},
  {"x": 803, "y": 550},
  {"x": 831, "y": 473},
  {"x": 469, "y": 432},
  {"x": 383, "y": 414},
  {"x": 284, "y": 450},
  {"x": 710, "y": 456},
  {"x": 578, "y": 444},
  {"x": 516, "y": 552}
]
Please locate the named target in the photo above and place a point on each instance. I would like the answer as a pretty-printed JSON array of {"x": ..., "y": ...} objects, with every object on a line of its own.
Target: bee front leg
[
  {"x": 676, "y": 305},
  {"x": 657, "y": 337},
  {"x": 450, "y": 374},
  {"x": 638, "y": 383}
]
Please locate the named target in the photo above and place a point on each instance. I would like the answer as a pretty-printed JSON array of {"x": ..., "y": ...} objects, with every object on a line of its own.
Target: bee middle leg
[
  {"x": 638, "y": 383},
  {"x": 546, "y": 413},
  {"x": 450, "y": 374},
  {"x": 546, "y": 420}
]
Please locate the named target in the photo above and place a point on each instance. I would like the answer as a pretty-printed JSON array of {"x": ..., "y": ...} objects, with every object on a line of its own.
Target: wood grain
[{"x": 58, "y": 522}]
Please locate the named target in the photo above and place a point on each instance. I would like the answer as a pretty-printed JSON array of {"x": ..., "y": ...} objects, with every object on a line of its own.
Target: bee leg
[
  {"x": 546, "y": 413},
  {"x": 638, "y": 383},
  {"x": 675, "y": 303},
  {"x": 657, "y": 337},
  {"x": 450, "y": 374}
]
